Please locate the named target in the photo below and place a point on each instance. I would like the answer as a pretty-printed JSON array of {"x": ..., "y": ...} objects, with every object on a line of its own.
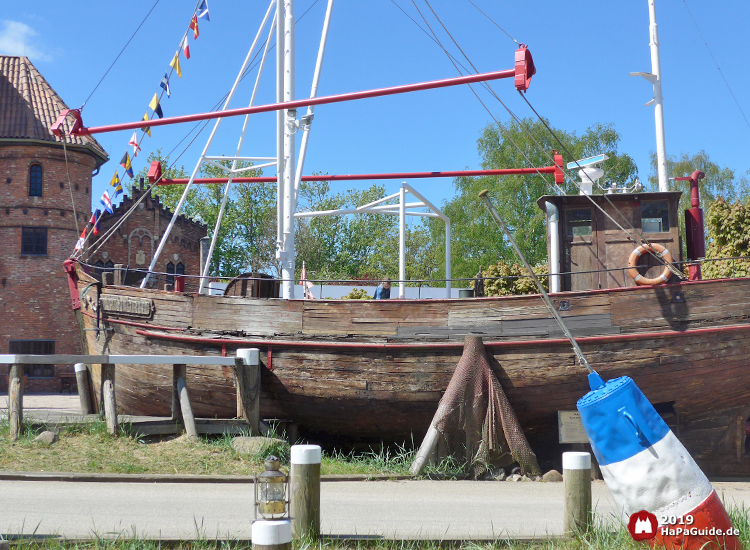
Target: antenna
[{"x": 589, "y": 172}]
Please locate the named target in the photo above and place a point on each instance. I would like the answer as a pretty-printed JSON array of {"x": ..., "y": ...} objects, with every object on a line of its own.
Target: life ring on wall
[{"x": 633, "y": 263}]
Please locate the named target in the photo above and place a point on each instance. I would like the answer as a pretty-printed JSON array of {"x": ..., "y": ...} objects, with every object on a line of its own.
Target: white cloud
[{"x": 17, "y": 39}]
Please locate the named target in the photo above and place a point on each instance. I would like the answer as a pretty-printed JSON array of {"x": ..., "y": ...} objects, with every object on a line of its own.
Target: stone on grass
[
  {"x": 47, "y": 438},
  {"x": 552, "y": 475},
  {"x": 253, "y": 445}
]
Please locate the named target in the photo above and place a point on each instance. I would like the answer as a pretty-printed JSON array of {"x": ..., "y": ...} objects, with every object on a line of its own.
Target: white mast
[
  {"x": 286, "y": 254},
  {"x": 654, "y": 77}
]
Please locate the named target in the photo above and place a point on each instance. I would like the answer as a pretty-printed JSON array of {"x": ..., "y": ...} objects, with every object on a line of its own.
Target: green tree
[
  {"x": 247, "y": 236},
  {"x": 728, "y": 237},
  {"x": 476, "y": 239}
]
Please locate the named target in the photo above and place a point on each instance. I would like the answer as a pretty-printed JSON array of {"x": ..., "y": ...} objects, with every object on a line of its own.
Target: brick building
[
  {"x": 39, "y": 223},
  {"x": 136, "y": 239}
]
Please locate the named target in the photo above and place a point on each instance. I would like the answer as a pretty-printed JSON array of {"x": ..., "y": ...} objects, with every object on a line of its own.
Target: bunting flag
[
  {"x": 115, "y": 180},
  {"x": 156, "y": 107},
  {"x": 125, "y": 163},
  {"x": 118, "y": 190},
  {"x": 134, "y": 142},
  {"x": 147, "y": 129},
  {"x": 165, "y": 85},
  {"x": 185, "y": 47},
  {"x": 203, "y": 10},
  {"x": 106, "y": 202},
  {"x": 175, "y": 63},
  {"x": 194, "y": 26},
  {"x": 95, "y": 218},
  {"x": 81, "y": 240}
]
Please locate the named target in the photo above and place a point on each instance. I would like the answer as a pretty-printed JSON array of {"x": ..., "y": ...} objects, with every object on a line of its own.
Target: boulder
[
  {"x": 553, "y": 476},
  {"x": 47, "y": 438},
  {"x": 514, "y": 477}
]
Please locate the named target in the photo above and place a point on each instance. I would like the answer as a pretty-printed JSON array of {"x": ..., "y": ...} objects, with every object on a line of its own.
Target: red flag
[
  {"x": 185, "y": 47},
  {"x": 194, "y": 25}
]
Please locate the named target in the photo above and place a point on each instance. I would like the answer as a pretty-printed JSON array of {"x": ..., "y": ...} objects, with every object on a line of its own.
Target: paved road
[{"x": 390, "y": 509}]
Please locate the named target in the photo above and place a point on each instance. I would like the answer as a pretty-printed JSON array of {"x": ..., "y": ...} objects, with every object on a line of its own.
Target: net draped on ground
[{"x": 476, "y": 422}]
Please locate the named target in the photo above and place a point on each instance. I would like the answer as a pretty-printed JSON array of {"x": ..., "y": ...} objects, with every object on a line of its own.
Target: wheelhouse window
[
  {"x": 34, "y": 241},
  {"x": 35, "y": 347},
  {"x": 578, "y": 222},
  {"x": 35, "y": 180},
  {"x": 655, "y": 216}
]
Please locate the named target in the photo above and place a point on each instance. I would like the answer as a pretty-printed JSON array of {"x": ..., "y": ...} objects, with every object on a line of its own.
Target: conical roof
[{"x": 29, "y": 106}]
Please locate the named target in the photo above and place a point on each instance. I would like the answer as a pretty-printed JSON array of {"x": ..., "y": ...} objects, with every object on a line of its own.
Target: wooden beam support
[
  {"x": 15, "y": 401},
  {"x": 108, "y": 398},
  {"x": 180, "y": 390},
  {"x": 82, "y": 383},
  {"x": 248, "y": 387}
]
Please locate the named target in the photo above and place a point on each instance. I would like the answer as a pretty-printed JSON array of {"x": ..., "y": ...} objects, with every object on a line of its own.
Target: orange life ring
[{"x": 633, "y": 263}]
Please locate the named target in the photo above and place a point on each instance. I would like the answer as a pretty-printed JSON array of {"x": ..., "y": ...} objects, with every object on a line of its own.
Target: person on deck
[{"x": 383, "y": 292}]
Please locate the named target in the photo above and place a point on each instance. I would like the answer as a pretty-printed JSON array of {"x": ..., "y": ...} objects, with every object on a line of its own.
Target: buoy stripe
[
  {"x": 672, "y": 483},
  {"x": 637, "y": 277}
]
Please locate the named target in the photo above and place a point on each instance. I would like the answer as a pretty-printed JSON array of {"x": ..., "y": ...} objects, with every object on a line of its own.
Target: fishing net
[{"x": 475, "y": 420}]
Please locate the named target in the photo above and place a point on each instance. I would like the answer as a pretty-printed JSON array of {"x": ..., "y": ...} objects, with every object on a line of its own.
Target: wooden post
[
  {"x": 108, "y": 398},
  {"x": 82, "y": 382},
  {"x": 185, "y": 409},
  {"x": 177, "y": 370},
  {"x": 108, "y": 278},
  {"x": 119, "y": 275},
  {"x": 248, "y": 387},
  {"x": 272, "y": 534},
  {"x": 15, "y": 400},
  {"x": 426, "y": 451},
  {"x": 577, "y": 483},
  {"x": 304, "y": 500}
]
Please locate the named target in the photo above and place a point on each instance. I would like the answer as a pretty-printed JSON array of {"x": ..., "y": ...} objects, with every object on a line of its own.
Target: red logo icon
[{"x": 642, "y": 525}]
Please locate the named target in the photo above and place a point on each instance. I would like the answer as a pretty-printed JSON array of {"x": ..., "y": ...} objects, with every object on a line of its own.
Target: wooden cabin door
[{"x": 579, "y": 249}]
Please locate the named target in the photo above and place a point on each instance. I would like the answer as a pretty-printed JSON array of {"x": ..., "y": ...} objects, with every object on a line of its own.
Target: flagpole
[{"x": 290, "y": 116}]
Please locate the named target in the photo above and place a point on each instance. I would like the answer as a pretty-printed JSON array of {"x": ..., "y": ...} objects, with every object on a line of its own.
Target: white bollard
[
  {"x": 304, "y": 505},
  {"x": 273, "y": 534},
  {"x": 577, "y": 482}
]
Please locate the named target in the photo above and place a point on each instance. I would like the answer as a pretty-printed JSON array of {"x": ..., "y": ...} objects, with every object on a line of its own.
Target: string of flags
[{"x": 106, "y": 200}]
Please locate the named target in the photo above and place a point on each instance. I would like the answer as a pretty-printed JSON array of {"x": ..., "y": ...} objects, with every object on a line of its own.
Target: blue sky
[{"x": 583, "y": 50}]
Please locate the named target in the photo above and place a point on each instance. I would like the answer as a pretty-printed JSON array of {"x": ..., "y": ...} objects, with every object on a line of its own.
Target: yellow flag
[
  {"x": 148, "y": 128},
  {"x": 175, "y": 64}
]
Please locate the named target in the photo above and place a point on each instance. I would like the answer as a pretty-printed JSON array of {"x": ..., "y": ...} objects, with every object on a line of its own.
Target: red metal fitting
[
  {"x": 77, "y": 122},
  {"x": 154, "y": 172},
  {"x": 559, "y": 174},
  {"x": 524, "y": 68}
]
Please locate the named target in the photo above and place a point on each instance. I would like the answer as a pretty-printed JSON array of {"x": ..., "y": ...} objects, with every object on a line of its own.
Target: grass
[
  {"x": 88, "y": 448},
  {"x": 599, "y": 538}
]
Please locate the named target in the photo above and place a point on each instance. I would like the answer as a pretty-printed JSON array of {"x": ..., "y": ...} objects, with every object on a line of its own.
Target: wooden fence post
[
  {"x": 304, "y": 500},
  {"x": 119, "y": 275},
  {"x": 577, "y": 482},
  {"x": 82, "y": 383},
  {"x": 180, "y": 393},
  {"x": 272, "y": 534},
  {"x": 15, "y": 400},
  {"x": 248, "y": 387},
  {"x": 108, "y": 398}
]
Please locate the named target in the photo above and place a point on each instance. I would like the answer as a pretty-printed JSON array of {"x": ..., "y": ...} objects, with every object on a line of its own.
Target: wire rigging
[
  {"x": 493, "y": 21},
  {"x": 119, "y": 54},
  {"x": 632, "y": 232},
  {"x": 716, "y": 63}
]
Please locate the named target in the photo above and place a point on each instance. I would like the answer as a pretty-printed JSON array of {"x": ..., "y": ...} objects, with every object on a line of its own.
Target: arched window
[
  {"x": 35, "y": 180},
  {"x": 170, "y": 271},
  {"x": 180, "y": 270},
  {"x": 110, "y": 265},
  {"x": 99, "y": 266}
]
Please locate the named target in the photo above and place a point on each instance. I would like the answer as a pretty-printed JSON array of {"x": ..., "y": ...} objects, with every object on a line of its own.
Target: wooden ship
[
  {"x": 371, "y": 371},
  {"x": 374, "y": 371}
]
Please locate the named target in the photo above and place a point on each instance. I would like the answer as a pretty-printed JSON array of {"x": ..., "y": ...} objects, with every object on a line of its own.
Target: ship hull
[{"x": 356, "y": 371}]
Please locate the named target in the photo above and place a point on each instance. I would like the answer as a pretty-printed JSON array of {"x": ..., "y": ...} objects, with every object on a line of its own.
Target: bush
[
  {"x": 729, "y": 237},
  {"x": 357, "y": 294},
  {"x": 514, "y": 279}
]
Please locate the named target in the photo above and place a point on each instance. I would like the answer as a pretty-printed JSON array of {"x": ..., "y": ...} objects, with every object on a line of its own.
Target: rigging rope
[
  {"x": 493, "y": 22},
  {"x": 632, "y": 232},
  {"x": 716, "y": 63},
  {"x": 119, "y": 54}
]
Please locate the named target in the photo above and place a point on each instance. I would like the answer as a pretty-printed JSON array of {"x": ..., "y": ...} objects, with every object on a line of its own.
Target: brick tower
[{"x": 39, "y": 223}]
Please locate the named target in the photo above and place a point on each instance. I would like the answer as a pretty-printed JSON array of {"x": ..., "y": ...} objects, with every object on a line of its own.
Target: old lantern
[{"x": 271, "y": 491}]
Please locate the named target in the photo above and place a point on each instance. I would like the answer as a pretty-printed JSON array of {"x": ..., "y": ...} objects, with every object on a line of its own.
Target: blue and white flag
[
  {"x": 203, "y": 10},
  {"x": 165, "y": 84}
]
